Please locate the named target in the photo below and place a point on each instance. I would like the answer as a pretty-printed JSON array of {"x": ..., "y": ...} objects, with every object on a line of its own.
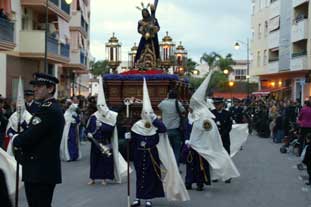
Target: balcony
[
  {"x": 77, "y": 22},
  {"x": 275, "y": 9},
  {"x": 56, "y": 7},
  {"x": 32, "y": 45},
  {"x": 78, "y": 62},
  {"x": 6, "y": 35},
  {"x": 299, "y": 61},
  {"x": 273, "y": 66},
  {"x": 65, "y": 50},
  {"x": 274, "y": 39},
  {"x": 298, "y": 2},
  {"x": 300, "y": 30}
]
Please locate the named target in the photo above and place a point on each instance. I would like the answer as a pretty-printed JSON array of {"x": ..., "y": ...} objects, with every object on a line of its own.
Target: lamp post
[
  {"x": 167, "y": 47},
  {"x": 46, "y": 33},
  {"x": 113, "y": 47},
  {"x": 231, "y": 84},
  {"x": 237, "y": 47},
  {"x": 181, "y": 59}
]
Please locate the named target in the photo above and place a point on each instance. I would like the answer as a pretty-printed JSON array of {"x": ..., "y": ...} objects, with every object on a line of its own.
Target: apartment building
[
  {"x": 22, "y": 42},
  {"x": 281, "y": 47}
]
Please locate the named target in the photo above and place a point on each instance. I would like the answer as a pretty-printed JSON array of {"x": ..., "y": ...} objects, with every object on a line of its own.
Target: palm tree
[
  {"x": 225, "y": 63},
  {"x": 190, "y": 66},
  {"x": 210, "y": 59}
]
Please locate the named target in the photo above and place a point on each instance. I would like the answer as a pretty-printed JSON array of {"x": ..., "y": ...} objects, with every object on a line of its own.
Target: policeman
[
  {"x": 224, "y": 122},
  {"x": 37, "y": 147},
  {"x": 32, "y": 106}
]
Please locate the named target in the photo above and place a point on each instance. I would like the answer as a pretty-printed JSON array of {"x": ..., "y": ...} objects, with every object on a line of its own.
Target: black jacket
[
  {"x": 40, "y": 145},
  {"x": 223, "y": 121}
]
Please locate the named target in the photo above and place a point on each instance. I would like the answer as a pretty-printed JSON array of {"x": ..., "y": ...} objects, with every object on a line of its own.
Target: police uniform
[
  {"x": 37, "y": 149},
  {"x": 224, "y": 123},
  {"x": 33, "y": 106},
  {"x": 4, "y": 193}
]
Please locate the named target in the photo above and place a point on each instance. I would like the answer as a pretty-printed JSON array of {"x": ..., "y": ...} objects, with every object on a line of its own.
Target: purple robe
[
  {"x": 147, "y": 162},
  {"x": 197, "y": 168},
  {"x": 102, "y": 166},
  {"x": 73, "y": 140}
]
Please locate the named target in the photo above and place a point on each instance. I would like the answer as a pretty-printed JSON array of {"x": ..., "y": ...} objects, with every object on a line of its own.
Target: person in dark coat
[
  {"x": 224, "y": 122},
  {"x": 32, "y": 106},
  {"x": 237, "y": 112},
  {"x": 4, "y": 194},
  {"x": 37, "y": 147},
  {"x": 3, "y": 123}
]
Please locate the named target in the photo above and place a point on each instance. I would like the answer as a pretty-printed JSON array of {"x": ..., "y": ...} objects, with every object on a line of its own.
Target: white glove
[
  {"x": 153, "y": 116},
  {"x": 127, "y": 135},
  {"x": 98, "y": 124},
  {"x": 187, "y": 142},
  {"x": 90, "y": 135}
]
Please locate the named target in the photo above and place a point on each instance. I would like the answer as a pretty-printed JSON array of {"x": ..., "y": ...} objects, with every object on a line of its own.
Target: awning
[{"x": 265, "y": 92}]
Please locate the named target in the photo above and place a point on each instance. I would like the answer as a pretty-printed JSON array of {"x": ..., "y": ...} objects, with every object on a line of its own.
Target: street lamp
[
  {"x": 226, "y": 71},
  {"x": 46, "y": 33},
  {"x": 113, "y": 51},
  {"x": 231, "y": 84},
  {"x": 237, "y": 47}
]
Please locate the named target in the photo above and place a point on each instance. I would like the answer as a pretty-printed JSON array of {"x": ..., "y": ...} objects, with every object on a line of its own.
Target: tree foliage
[
  {"x": 99, "y": 67},
  {"x": 191, "y": 65},
  {"x": 225, "y": 62},
  {"x": 210, "y": 59}
]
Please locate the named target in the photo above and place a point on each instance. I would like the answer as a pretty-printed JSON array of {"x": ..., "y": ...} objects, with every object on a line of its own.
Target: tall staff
[
  {"x": 128, "y": 102},
  {"x": 20, "y": 104}
]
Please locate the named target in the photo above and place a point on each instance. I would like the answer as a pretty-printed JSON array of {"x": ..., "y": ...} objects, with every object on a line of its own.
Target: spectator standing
[
  {"x": 304, "y": 121},
  {"x": 172, "y": 110}
]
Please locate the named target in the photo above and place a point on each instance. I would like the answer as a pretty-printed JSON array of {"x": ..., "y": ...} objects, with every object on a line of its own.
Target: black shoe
[
  {"x": 148, "y": 204},
  {"x": 135, "y": 203},
  {"x": 215, "y": 181},
  {"x": 308, "y": 183},
  {"x": 188, "y": 186},
  {"x": 228, "y": 181},
  {"x": 200, "y": 187}
]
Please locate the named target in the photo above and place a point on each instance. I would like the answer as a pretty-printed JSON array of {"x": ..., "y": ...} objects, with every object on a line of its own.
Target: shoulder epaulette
[{"x": 47, "y": 104}]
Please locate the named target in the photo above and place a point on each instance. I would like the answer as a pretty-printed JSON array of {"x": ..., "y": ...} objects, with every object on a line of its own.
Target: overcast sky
[{"x": 202, "y": 25}]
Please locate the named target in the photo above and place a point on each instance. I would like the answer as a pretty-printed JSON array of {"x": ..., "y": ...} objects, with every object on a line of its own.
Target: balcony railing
[
  {"x": 52, "y": 45},
  {"x": 64, "y": 50},
  {"x": 82, "y": 58},
  {"x": 298, "y": 54},
  {"x": 56, "y": 2},
  {"x": 65, "y": 7},
  {"x": 6, "y": 30}
]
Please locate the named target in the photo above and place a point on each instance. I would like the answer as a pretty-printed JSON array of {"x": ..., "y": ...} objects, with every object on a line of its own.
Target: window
[
  {"x": 240, "y": 74},
  {"x": 259, "y": 31},
  {"x": 258, "y": 59}
]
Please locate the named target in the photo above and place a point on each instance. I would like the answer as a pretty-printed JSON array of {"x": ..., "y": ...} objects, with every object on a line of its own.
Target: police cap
[{"x": 44, "y": 79}]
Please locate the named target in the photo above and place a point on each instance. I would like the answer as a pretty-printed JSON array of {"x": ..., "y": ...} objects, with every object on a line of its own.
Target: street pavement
[{"x": 268, "y": 179}]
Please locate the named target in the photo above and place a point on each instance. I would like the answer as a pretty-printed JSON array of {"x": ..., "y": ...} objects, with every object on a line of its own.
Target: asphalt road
[{"x": 268, "y": 179}]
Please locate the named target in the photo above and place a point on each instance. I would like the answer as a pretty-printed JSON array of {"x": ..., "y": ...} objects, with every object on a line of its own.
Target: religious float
[{"x": 151, "y": 60}]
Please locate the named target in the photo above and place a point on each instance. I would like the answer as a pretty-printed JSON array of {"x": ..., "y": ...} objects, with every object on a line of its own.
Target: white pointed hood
[
  {"x": 147, "y": 107},
  {"x": 103, "y": 113},
  {"x": 144, "y": 126},
  {"x": 198, "y": 100}
]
